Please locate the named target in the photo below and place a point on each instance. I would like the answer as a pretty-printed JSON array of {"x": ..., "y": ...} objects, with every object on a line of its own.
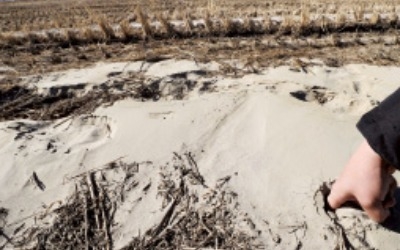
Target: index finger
[{"x": 376, "y": 211}]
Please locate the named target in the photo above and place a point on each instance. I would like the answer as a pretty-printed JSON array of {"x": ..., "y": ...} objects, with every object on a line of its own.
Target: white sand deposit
[{"x": 275, "y": 149}]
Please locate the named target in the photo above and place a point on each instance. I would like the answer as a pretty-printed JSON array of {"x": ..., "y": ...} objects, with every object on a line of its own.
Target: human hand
[{"x": 367, "y": 181}]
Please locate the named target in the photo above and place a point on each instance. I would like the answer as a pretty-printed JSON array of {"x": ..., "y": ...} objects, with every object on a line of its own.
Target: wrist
[
  {"x": 370, "y": 155},
  {"x": 366, "y": 155},
  {"x": 368, "y": 151}
]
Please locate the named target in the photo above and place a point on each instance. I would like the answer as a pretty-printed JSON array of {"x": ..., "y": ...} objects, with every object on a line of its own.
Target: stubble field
[
  {"x": 40, "y": 36},
  {"x": 78, "y": 79}
]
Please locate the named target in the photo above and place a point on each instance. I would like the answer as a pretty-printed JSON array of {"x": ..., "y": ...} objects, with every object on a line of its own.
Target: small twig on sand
[
  {"x": 106, "y": 223},
  {"x": 195, "y": 169},
  {"x": 86, "y": 223},
  {"x": 8, "y": 239},
  {"x": 38, "y": 182},
  {"x": 90, "y": 180},
  {"x": 95, "y": 170}
]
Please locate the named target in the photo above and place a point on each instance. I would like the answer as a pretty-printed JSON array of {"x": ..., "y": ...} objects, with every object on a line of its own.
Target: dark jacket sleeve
[{"x": 381, "y": 128}]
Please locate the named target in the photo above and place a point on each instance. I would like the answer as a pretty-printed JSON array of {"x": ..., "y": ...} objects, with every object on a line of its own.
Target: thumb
[{"x": 338, "y": 197}]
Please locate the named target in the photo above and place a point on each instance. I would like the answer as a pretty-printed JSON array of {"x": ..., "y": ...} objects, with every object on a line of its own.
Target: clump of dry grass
[
  {"x": 182, "y": 29},
  {"x": 211, "y": 6},
  {"x": 15, "y": 38},
  {"x": 143, "y": 19},
  {"x": 30, "y": 104},
  {"x": 38, "y": 37},
  {"x": 375, "y": 19},
  {"x": 102, "y": 21},
  {"x": 94, "y": 34},
  {"x": 305, "y": 23},
  {"x": 209, "y": 24},
  {"x": 198, "y": 216},
  {"x": 197, "y": 29},
  {"x": 256, "y": 26},
  {"x": 359, "y": 13},
  {"x": 169, "y": 29},
  {"x": 130, "y": 33},
  {"x": 393, "y": 19},
  {"x": 233, "y": 27},
  {"x": 340, "y": 21},
  {"x": 287, "y": 26},
  {"x": 106, "y": 27},
  {"x": 2, "y": 39},
  {"x": 323, "y": 25},
  {"x": 77, "y": 36},
  {"x": 270, "y": 26},
  {"x": 118, "y": 33},
  {"x": 58, "y": 36}
]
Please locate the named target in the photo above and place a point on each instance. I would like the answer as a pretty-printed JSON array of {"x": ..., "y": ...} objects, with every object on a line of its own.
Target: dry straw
[
  {"x": 58, "y": 36},
  {"x": 287, "y": 26},
  {"x": 168, "y": 27},
  {"x": 375, "y": 19},
  {"x": 17, "y": 38},
  {"x": 106, "y": 27},
  {"x": 38, "y": 37},
  {"x": 143, "y": 19},
  {"x": 256, "y": 26},
  {"x": 77, "y": 36},
  {"x": 211, "y": 6},
  {"x": 233, "y": 27},
  {"x": 130, "y": 33},
  {"x": 305, "y": 22},
  {"x": 359, "y": 13},
  {"x": 310, "y": 18},
  {"x": 94, "y": 34},
  {"x": 209, "y": 24},
  {"x": 340, "y": 21}
]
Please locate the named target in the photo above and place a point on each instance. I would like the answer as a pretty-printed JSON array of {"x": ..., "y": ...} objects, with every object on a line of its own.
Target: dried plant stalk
[{"x": 142, "y": 18}]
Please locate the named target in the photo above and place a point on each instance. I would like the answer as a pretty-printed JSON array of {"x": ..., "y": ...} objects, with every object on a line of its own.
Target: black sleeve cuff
[{"x": 381, "y": 128}]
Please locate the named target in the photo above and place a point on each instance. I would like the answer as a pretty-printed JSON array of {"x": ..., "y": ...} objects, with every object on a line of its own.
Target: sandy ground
[{"x": 269, "y": 139}]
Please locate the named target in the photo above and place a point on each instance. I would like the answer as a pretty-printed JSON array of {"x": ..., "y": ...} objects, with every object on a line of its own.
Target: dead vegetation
[
  {"x": 198, "y": 30},
  {"x": 192, "y": 221},
  {"x": 19, "y": 102},
  {"x": 195, "y": 216},
  {"x": 336, "y": 49},
  {"x": 38, "y": 15},
  {"x": 164, "y": 27},
  {"x": 84, "y": 220},
  {"x": 318, "y": 94},
  {"x": 72, "y": 23}
]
